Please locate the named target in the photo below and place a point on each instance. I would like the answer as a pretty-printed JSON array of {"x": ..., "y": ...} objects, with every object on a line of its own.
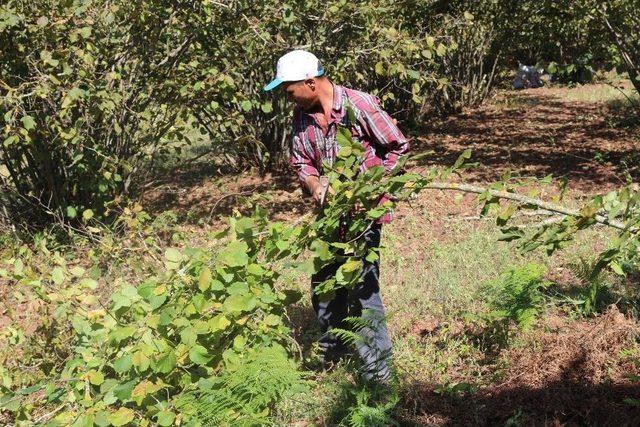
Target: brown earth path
[{"x": 537, "y": 132}]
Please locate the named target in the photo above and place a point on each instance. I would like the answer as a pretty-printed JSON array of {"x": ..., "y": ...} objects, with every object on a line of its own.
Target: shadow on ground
[
  {"x": 537, "y": 134},
  {"x": 204, "y": 196},
  {"x": 570, "y": 402}
]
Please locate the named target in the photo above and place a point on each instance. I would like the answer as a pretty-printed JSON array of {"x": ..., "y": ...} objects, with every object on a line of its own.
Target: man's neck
[
  {"x": 326, "y": 97},
  {"x": 324, "y": 102}
]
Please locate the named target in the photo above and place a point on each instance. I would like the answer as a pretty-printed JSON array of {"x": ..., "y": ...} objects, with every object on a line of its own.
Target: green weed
[{"x": 517, "y": 296}]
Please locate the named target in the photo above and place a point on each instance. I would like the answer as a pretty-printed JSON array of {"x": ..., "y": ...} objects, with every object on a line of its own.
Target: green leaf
[
  {"x": 238, "y": 342},
  {"x": 272, "y": 320},
  {"x": 57, "y": 275},
  {"x": 199, "y": 355},
  {"x": 77, "y": 271},
  {"x": 121, "y": 417},
  {"x": 235, "y": 254},
  {"x": 372, "y": 256},
  {"x": 256, "y": 269},
  {"x": 239, "y": 303},
  {"x": 28, "y": 123},
  {"x": 89, "y": 283},
  {"x": 166, "y": 363},
  {"x": 11, "y": 403},
  {"x": 219, "y": 323},
  {"x": 267, "y": 107},
  {"x": 217, "y": 285},
  {"x": 173, "y": 258},
  {"x": 344, "y": 152},
  {"x": 141, "y": 361},
  {"x": 85, "y": 32},
  {"x": 188, "y": 336},
  {"x": 101, "y": 419},
  {"x": 86, "y": 420},
  {"x": 238, "y": 288},
  {"x": 123, "y": 391},
  {"x": 47, "y": 58},
  {"x": 143, "y": 389},
  {"x": 87, "y": 214},
  {"x": 121, "y": 333},
  {"x": 509, "y": 234},
  {"x": 617, "y": 268},
  {"x": 123, "y": 364},
  {"x": 246, "y": 105},
  {"x": 95, "y": 377},
  {"x": 204, "y": 281},
  {"x": 165, "y": 418}
]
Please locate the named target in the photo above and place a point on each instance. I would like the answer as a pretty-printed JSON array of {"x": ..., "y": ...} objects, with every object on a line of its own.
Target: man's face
[{"x": 303, "y": 93}]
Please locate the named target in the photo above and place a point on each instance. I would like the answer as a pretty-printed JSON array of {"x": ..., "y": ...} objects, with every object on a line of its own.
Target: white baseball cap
[{"x": 295, "y": 66}]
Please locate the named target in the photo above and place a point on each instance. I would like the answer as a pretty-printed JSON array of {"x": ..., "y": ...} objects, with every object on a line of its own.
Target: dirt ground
[
  {"x": 565, "y": 375},
  {"x": 542, "y": 131}
]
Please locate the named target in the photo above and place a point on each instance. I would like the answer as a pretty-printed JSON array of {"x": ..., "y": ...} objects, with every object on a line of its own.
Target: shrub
[
  {"x": 95, "y": 95},
  {"x": 85, "y": 92}
]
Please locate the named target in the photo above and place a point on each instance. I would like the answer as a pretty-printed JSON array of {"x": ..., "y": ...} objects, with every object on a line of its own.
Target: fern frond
[
  {"x": 368, "y": 413},
  {"x": 369, "y": 320},
  {"x": 517, "y": 295},
  {"x": 244, "y": 396}
]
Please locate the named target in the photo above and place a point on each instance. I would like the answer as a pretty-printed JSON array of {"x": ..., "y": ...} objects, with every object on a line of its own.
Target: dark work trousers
[{"x": 363, "y": 301}]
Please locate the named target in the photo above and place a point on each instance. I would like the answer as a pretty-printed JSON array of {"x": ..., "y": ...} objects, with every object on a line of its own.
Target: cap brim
[{"x": 274, "y": 84}]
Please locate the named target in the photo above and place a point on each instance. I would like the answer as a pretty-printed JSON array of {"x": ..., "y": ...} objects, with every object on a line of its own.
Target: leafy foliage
[
  {"x": 84, "y": 90},
  {"x": 371, "y": 410},
  {"x": 96, "y": 94},
  {"x": 622, "y": 21},
  {"x": 204, "y": 314},
  {"x": 596, "y": 294}
]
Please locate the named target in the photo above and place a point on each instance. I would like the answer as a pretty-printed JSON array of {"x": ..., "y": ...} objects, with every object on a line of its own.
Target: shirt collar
[
  {"x": 337, "y": 109},
  {"x": 337, "y": 97}
]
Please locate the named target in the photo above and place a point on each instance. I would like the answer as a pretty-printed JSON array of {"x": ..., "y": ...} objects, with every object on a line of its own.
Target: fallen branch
[{"x": 468, "y": 188}]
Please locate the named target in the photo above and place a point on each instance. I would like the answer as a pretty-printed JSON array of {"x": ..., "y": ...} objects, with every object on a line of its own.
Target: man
[{"x": 320, "y": 108}]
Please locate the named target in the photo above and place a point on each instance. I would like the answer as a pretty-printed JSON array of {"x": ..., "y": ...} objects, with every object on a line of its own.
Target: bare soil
[{"x": 569, "y": 374}]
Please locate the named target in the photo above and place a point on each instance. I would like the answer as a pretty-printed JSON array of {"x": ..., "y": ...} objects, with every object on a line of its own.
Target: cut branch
[{"x": 467, "y": 188}]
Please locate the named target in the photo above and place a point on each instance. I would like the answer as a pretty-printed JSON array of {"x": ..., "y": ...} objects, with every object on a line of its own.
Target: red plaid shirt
[{"x": 374, "y": 129}]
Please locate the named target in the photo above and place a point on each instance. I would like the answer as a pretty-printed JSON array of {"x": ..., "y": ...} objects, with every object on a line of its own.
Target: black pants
[{"x": 363, "y": 301}]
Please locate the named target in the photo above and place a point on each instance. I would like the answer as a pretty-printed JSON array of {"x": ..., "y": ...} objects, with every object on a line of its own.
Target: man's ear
[{"x": 311, "y": 83}]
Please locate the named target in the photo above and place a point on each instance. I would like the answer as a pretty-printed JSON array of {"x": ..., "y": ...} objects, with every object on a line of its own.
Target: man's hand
[{"x": 318, "y": 187}]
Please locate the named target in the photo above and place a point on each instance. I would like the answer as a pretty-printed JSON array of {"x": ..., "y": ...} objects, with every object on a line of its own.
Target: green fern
[
  {"x": 517, "y": 296},
  {"x": 368, "y": 412},
  {"x": 244, "y": 395},
  {"x": 352, "y": 333},
  {"x": 595, "y": 296}
]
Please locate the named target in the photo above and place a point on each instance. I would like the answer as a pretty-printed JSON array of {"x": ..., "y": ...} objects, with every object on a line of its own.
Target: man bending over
[{"x": 321, "y": 106}]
